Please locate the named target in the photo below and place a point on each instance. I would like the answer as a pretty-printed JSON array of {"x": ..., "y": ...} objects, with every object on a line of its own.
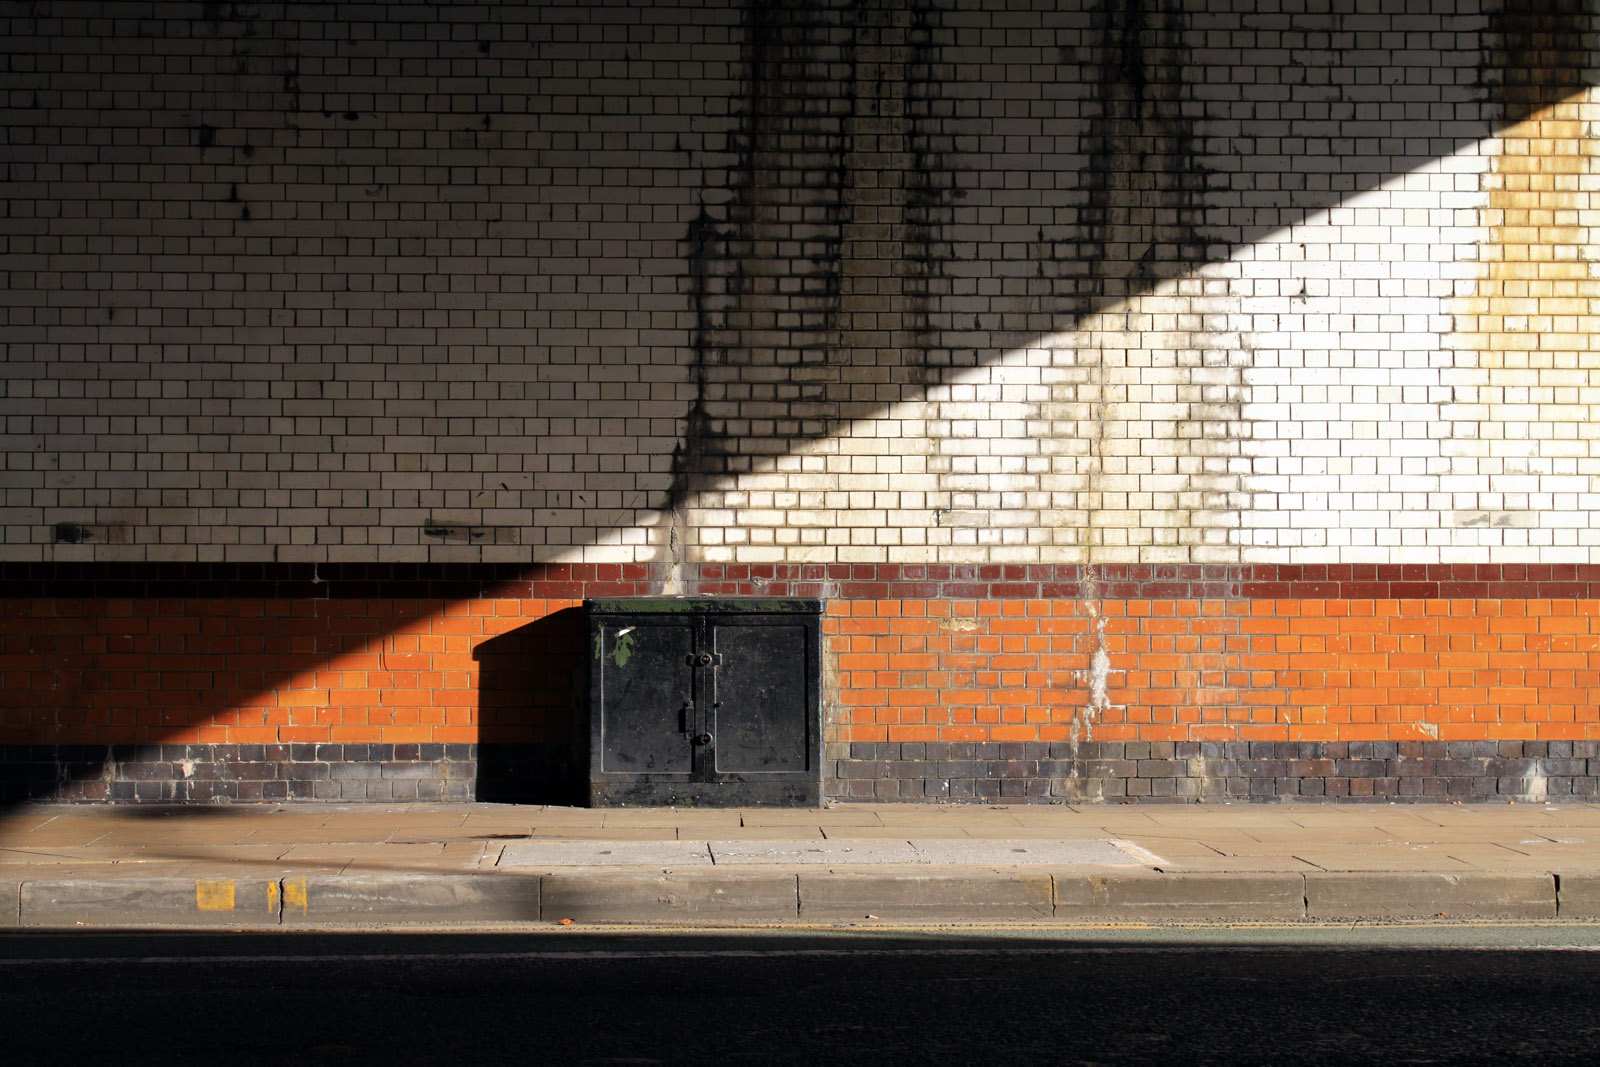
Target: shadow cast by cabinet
[{"x": 533, "y": 722}]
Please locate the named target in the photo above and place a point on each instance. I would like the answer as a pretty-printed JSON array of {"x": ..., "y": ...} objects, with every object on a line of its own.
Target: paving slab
[
  {"x": 1571, "y": 815},
  {"x": 202, "y": 853},
  {"x": 1239, "y": 860},
  {"x": 393, "y": 855},
  {"x": 69, "y": 871},
  {"x": 1015, "y": 852},
  {"x": 393, "y": 820},
  {"x": 52, "y": 836},
  {"x": 1497, "y": 814},
  {"x": 1557, "y": 856},
  {"x": 324, "y": 834},
  {"x": 1020, "y": 832},
  {"x": 22, "y": 821},
  {"x": 1184, "y": 821},
  {"x": 1224, "y": 838},
  {"x": 772, "y": 833},
  {"x": 1513, "y": 862},
  {"x": 808, "y": 853},
  {"x": 1331, "y": 816},
  {"x": 1182, "y": 853},
  {"x": 1341, "y": 857},
  {"x": 78, "y": 854},
  {"x": 840, "y": 816},
  {"x": 557, "y": 853},
  {"x": 454, "y": 835},
  {"x": 1294, "y": 837},
  {"x": 1421, "y": 833},
  {"x": 156, "y": 837},
  {"x": 1242, "y": 816},
  {"x": 198, "y": 869},
  {"x": 609, "y": 833},
  {"x": 699, "y": 823},
  {"x": 905, "y": 831},
  {"x": 993, "y": 813},
  {"x": 589, "y": 817},
  {"x": 451, "y": 856},
  {"x": 1490, "y": 855}
]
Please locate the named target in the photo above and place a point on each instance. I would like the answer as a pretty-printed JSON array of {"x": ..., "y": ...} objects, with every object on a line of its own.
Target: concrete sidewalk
[{"x": 316, "y": 865}]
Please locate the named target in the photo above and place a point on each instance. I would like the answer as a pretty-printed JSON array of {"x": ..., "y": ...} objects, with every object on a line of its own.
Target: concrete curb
[
  {"x": 1196, "y": 895},
  {"x": 142, "y": 901},
  {"x": 396, "y": 898},
  {"x": 978, "y": 896},
  {"x": 711, "y": 896},
  {"x": 951, "y": 894},
  {"x": 1578, "y": 895},
  {"x": 1395, "y": 894}
]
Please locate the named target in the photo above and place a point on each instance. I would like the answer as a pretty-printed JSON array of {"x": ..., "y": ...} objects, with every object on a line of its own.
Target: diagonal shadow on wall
[{"x": 1168, "y": 162}]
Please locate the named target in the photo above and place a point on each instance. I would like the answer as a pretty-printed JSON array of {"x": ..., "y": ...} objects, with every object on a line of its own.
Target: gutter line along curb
[{"x": 753, "y": 894}]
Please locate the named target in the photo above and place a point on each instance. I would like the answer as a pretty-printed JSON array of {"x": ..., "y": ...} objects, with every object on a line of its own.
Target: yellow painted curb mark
[
  {"x": 294, "y": 894},
  {"x": 272, "y": 898},
  {"x": 214, "y": 895}
]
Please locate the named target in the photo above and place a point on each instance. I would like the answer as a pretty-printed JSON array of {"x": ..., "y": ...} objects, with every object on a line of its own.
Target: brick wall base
[
  {"x": 174, "y": 683},
  {"x": 1022, "y": 772},
  {"x": 224, "y": 773},
  {"x": 1192, "y": 771}
]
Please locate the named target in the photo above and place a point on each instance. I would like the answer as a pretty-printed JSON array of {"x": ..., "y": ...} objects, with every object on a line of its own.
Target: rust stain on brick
[{"x": 1530, "y": 310}]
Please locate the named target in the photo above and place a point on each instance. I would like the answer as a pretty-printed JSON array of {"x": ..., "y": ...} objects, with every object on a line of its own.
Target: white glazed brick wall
[{"x": 827, "y": 282}]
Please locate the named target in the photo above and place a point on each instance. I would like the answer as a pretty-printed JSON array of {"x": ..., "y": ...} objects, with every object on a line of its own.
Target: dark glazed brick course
[
  {"x": 884, "y": 581},
  {"x": 1195, "y": 771},
  {"x": 236, "y": 773}
]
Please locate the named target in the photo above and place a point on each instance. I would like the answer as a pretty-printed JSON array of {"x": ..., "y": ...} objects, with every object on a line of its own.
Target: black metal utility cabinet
[{"x": 705, "y": 700}]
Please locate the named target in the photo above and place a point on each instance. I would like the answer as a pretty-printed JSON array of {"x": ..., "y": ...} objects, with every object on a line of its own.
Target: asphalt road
[{"x": 1045, "y": 996}]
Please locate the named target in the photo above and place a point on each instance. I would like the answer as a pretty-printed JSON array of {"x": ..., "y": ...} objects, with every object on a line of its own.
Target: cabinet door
[
  {"x": 646, "y": 684},
  {"x": 763, "y": 708}
]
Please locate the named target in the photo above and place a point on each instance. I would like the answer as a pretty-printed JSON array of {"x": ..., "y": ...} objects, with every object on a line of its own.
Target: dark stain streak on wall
[
  {"x": 1142, "y": 218},
  {"x": 1538, "y": 54}
]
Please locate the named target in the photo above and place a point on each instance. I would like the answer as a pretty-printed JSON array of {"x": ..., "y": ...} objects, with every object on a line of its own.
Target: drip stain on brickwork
[
  {"x": 766, "y": 290},
  {"x": 928, "y": 185},
  {"x": 689, "y": 457},
  {"x": 1139, "y": 226}
]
